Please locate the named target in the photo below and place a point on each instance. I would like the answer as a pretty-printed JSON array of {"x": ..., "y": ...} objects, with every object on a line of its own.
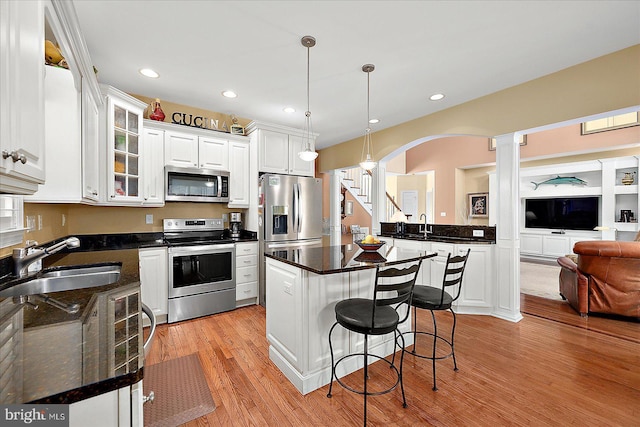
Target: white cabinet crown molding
[
  {"x": 255, "y": 125},
  {"x": 68, "y": 19},
  {"x": 154, "y": 124}
]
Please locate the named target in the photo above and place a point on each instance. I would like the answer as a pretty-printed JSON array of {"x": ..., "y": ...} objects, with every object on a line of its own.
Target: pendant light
[
  {"x": 308, "y": 155},
  {"x": 367, "y": 163}
]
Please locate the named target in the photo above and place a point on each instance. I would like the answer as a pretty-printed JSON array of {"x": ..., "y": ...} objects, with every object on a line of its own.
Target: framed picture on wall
[{"x": 478, "y": 205}]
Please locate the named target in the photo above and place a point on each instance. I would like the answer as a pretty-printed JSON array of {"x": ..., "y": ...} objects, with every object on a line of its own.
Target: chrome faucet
[
  {"x": 425, "y": 231},
  {"x": 22, "y": 259}
]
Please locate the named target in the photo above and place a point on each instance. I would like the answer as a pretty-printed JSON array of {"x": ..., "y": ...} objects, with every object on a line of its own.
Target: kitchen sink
[{"x": 66, "y": 278}]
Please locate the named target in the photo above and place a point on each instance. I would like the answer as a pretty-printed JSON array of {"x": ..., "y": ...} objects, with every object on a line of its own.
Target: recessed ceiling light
[
  {"x": 289, "y": 110},
  {"x": 229, "y": 94},
  {"x": 374, "y": 121},
  {"x": 148, "y": 72},
  {"x": 436, "y": 97}
]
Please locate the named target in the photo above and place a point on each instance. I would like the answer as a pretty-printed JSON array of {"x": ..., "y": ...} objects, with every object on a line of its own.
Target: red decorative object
[{"x": 157, "y": 114}]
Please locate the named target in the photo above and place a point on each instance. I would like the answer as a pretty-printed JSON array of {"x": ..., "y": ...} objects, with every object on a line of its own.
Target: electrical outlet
[
  {"x": 225, "y": 217},
  {"x": 443, "y": 214},
  {"x": 478, "y": 233},
  {"x": 287, "y": 289},
  {"x": 149, "y": 219},
  {"x": 31, "y": 223},
  {"x": 39, "y": 222}
]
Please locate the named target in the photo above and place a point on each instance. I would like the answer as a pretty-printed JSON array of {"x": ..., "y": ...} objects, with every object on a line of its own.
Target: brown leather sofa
[{"x": 606, "y": 278}]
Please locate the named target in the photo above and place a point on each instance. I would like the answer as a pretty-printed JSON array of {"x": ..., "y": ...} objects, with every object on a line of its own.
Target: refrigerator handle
[{"x": 299, "y": 213}]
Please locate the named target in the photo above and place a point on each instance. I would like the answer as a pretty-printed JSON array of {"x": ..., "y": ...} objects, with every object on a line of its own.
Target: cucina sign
[{"x": 186, "y": 119}]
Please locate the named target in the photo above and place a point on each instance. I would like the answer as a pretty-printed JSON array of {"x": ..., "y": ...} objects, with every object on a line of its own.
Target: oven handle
[{"x": 200, "y": 249}]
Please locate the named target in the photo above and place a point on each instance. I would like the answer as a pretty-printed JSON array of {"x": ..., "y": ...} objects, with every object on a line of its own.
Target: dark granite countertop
[
  {"x": 441, "y": 239},
  {"x": 45, "y": 328},
  {"x": 345, "y": 258}
]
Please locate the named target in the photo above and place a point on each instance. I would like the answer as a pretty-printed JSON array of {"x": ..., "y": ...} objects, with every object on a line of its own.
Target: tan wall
[
  {"x": 168, "y": 108},
  {"x": 85, "y": 219},
  {"x": 604, "y": 84}
]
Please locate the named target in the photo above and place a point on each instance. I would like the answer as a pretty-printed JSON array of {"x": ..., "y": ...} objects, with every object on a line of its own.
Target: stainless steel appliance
[
  {"x": 235, "y": 224},
  {"x": 201, "y": 268},
  {"x": 195, "y": 185},
  {"x": 290, "y": 215}
]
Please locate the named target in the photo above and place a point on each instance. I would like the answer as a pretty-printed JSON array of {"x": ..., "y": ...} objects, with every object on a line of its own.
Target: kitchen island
[{"x": 302, "y": 287}]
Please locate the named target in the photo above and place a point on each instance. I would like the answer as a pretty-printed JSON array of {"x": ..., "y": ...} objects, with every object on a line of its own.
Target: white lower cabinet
[
  {"x": 548, "y": 245},
  {"x": 117, "y": 408},
  {"x": 154, "y": 280},
  {"x": 246, "y": 273},
  {"x": 479, "y": 275}
]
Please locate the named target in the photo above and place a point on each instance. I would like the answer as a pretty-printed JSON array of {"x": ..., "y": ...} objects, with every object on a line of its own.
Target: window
[
  {"x": 610, "y": 123},
  {"x": 11, "y": 227}
]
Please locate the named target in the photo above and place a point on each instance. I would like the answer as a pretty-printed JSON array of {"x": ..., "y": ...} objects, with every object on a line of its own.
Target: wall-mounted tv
[{"x": 568, "y": 213}]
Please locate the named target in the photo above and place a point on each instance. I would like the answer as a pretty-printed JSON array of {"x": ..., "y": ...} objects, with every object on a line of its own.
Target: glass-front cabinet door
[{"x": 124, "y": 145}]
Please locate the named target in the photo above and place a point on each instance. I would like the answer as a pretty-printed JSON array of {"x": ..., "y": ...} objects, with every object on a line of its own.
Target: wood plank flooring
[{"x": 537, "y": 372}]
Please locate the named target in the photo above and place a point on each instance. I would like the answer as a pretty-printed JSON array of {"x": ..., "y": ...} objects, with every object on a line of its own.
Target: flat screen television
[{"x": 567, "y": 213}]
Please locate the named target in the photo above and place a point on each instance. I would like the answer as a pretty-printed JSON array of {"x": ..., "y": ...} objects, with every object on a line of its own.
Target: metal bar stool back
[
  {"x": 380, "y": 315},
  {"x": 434, "y": 298}
]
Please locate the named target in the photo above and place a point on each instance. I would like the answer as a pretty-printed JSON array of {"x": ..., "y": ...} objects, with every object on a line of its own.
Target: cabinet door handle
[
  {"x": 148, "y": 398},
  {"x": 15, "y": 156}
]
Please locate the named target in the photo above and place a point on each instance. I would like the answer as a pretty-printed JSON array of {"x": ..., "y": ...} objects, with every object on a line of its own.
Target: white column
[
  {"x": 335, "y": 223},
  {"x": 379, "y": 196},
  {"x": 507, "y": 290}
]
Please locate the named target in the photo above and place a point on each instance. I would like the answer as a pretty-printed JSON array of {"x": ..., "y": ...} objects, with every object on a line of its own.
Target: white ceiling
[{"x": 464, "y": 49}]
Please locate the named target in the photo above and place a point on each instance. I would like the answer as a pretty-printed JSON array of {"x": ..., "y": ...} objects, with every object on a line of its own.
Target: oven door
[{"x": 198, "y": 269}]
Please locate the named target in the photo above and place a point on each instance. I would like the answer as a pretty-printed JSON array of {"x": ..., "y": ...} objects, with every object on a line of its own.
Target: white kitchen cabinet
[
  {"x": 478, "y": 279},
  {"x": 239, "y": 185},
  {"x": 123, "y": 131},
  {"x": 62, "y": 140},
  {"x": 153, "y": 167},
  {"x": 180, "y": 149},
  {"x": 90, "y": 145},
  {"x": 213, "y": 153},
  {"x": 439, "y": 262},
  {"x": 154, "y": 280},
  {"x": 185, "y": 149},
  {"x": 278, "y": 149},
  {"x": 423, "y": 277},
  {"x": 246, "y": 273},
  {"x": 118, "y": 408},
  {"x": 22, "y": 165}
]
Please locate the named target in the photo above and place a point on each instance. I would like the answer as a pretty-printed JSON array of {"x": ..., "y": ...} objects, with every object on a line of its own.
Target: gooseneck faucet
[
  {"x": 22, "y": 260},
  {"x": 426, "y": 230}
]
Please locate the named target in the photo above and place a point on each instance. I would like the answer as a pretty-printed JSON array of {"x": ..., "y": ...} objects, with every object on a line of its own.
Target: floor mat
[{"x": 180, "y": 389}]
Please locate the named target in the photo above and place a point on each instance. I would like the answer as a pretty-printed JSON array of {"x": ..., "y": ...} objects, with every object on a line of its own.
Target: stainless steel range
[{"x": 201, "y": 268}]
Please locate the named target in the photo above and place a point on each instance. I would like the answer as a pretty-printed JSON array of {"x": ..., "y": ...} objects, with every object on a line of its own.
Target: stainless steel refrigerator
[{"x": 290, "y": 215}]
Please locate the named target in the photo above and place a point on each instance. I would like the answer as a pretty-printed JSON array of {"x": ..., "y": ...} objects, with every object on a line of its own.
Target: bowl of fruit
[{"x": 370, "y": 244}]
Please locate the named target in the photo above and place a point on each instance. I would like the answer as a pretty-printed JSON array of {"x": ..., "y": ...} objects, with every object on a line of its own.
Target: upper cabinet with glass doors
[{"x": 124, "y": 148}]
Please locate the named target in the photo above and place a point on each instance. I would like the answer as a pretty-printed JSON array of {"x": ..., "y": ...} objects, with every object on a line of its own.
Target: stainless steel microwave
[{"x": 195, "y": 185}]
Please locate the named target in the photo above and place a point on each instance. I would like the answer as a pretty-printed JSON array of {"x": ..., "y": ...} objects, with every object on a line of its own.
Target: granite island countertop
[{"x": 344, "y": 258}]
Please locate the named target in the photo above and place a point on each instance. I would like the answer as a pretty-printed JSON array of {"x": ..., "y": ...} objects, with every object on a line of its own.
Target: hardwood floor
[{"x": 535, "y": 372}]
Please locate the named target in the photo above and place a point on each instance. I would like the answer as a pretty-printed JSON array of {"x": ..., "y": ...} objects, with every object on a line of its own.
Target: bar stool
[
  {"x": 438, "y": 299},
  {"x": 377, "y": 316}
]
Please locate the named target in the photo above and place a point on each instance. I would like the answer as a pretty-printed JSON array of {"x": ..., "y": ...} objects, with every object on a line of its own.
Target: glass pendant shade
[
  {"x": 307, "y": 154},
  {"x": 366, "y": 160}
]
